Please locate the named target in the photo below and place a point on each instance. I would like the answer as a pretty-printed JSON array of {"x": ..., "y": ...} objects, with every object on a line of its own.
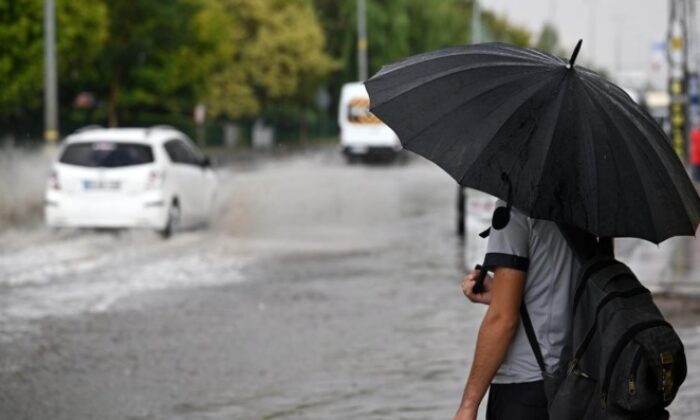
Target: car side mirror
[{"x": 206, "y": 162}]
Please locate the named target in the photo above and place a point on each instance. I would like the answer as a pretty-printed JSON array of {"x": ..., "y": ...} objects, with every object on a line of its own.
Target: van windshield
[
  {"x": 358, "y": 111},
  {"x": 106, "y": 154}
]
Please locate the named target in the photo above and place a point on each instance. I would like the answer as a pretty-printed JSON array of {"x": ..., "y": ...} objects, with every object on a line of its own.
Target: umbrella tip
[{"x": 572, "y": 60}]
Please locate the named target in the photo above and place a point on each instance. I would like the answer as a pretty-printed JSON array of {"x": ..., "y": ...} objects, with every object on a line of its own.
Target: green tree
[
  {"x": 399, "y": 28},
  {"x": 499, "y": 29},
  {"x": 81, "y": 32},
  {"x": 395, "y": 29},
  {"x": 438, "y": 24},
  {"x": 275, "y": 52},
  {"x": 151, "y": 59},
  {"x": 548, "y": 40}
]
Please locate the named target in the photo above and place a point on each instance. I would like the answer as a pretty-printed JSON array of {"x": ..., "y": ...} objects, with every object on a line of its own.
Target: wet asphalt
[{"x": 319, "y": 290}]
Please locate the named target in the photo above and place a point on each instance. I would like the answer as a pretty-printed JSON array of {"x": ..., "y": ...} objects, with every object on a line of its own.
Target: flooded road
[{"x": 318, "y": 291}]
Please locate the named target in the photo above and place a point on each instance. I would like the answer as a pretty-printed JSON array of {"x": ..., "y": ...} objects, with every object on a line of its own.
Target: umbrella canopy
[{"x": 575, "y": 147}]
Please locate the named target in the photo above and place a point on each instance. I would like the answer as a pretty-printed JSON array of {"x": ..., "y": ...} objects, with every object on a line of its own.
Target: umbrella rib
[
  {"x": 617, "y": 101},
  {"x": 509, "y": 51},
  {"x": 477, "y": 49},
  {"x": 650, "y": 144},
  {"x": 438, "y": 55},
  {"x": 541, "y": 55},
  {"x": 452, "y": 71},
  {"x": 614, "y": 124},
  {"x": 464, "y": 174},
  {"x": 620, "y": 96},
  {"x": 588, "y": 152},
  {"x": 457, "y": 107},
  {"x": 592, "y": 227},
  {"x": 560, "y": 97}
]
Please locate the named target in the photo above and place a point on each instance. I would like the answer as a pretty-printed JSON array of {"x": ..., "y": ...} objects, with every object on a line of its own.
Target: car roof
[{"x": 152, "y": 135}]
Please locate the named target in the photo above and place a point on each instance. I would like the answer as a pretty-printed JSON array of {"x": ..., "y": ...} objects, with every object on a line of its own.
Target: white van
[{"x": 363, "y": 135}]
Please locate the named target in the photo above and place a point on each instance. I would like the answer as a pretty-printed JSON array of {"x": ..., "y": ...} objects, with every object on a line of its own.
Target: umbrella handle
[
  {"x": 479, "y": 285},
  {"x": 572, "y": 60}
]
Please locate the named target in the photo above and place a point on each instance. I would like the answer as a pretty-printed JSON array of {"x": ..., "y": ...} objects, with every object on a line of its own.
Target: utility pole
[
  {"x": 50, "y": 79},
  {"x": 591, "y": 27},
  {"x": 476, "y": 22},
  {"x": 361, "y": 40},
  {"x": 677, "y": 62},
  {"x": 693, "y": 66},
  {"x": 462, "y": 195}
]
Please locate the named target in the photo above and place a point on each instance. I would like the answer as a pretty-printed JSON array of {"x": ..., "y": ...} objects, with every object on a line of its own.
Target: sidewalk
[{"x": 670, "y": 270}]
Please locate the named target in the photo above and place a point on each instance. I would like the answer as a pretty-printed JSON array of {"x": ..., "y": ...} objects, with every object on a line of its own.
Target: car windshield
[{"x": 106, "y": 154}]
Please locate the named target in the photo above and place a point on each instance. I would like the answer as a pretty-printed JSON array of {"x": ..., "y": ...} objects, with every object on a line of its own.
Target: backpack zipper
[
  {"x": 617, "y": 351},
  {"x": 632, "y": 380}
]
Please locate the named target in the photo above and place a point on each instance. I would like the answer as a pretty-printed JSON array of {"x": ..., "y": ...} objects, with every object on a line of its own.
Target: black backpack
[{"x": 621, "y": 360}]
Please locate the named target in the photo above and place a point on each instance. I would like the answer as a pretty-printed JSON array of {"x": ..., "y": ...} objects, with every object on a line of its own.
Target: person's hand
[
  {"x": 468, "y": 288},
  {"x": 465, "y": 414}
]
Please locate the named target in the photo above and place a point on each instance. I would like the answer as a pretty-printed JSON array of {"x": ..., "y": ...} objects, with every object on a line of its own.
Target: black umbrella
[{"x": 568, "y": 145}]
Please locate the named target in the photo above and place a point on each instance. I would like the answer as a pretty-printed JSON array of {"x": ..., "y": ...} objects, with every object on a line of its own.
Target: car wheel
[
  {"x": 213, "y": 206},
  {"x": 173, "y": 219}
]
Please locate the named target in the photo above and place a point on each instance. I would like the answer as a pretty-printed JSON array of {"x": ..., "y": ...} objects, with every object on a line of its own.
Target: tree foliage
[
  {"x": 151, "y": 57},
  {"x": 398, "y": 28},
  {"x": 395, "y": 29},
  {"x": 241, "y": 57},
  {"x": 277, "y": 50},
  {"x": 498, "y": 28},
  {"x": 80, "y": 35},
  {"x": 548, "y": 40}
]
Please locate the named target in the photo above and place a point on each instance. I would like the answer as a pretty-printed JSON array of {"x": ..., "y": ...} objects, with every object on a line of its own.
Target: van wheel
[
  {"x": 402, "y": 157},
  {"x": 173, "y": 219},
  {"x": 352, "y": 159}
]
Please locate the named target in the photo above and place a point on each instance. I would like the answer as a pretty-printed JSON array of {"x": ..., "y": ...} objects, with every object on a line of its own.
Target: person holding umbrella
[
  {"x": 562, "y": 148},
  {"x": 532, "y": 263}
]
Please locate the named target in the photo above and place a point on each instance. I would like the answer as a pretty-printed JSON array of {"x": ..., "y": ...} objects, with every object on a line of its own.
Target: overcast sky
[{"x": 636, "y": 23}]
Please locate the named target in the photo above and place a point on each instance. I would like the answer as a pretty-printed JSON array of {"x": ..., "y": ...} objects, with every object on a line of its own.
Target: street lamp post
[
  {"x": 361, "y": 40},
  {"x": 677, "y": 77},
  {"x": 591, "y": 27},
  {"x": 693, "y": 66},
  {"x": 50, "y": 79},
  {"x": 462, "y": 197},
  {"x": 476, "y": 22}
]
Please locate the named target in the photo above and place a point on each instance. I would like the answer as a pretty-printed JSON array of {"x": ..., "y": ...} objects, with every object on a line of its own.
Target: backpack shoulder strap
[
  {"x": 532, "y": 337},
  {"x": 586, "y": 248}
]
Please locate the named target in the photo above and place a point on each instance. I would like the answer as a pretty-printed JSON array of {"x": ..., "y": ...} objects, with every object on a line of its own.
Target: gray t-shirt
[{"x": 538, "y": 248}]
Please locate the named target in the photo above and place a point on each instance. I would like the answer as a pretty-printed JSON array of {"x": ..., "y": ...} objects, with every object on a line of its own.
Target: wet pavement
[{"x": 319, "y": 291}]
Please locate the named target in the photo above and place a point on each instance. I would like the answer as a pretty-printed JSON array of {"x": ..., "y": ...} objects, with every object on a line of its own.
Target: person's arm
[{"x": 495, "y": 335}]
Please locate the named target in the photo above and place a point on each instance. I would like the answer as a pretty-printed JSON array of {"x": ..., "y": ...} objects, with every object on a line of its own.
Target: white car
[{"x": 129, "y": 178}]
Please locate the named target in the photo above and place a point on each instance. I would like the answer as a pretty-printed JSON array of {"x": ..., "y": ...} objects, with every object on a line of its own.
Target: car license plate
[{"x": 90, "y": 185}]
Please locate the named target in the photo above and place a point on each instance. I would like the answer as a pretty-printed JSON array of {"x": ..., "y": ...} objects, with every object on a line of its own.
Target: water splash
[{"x": 23, "y": 175}]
